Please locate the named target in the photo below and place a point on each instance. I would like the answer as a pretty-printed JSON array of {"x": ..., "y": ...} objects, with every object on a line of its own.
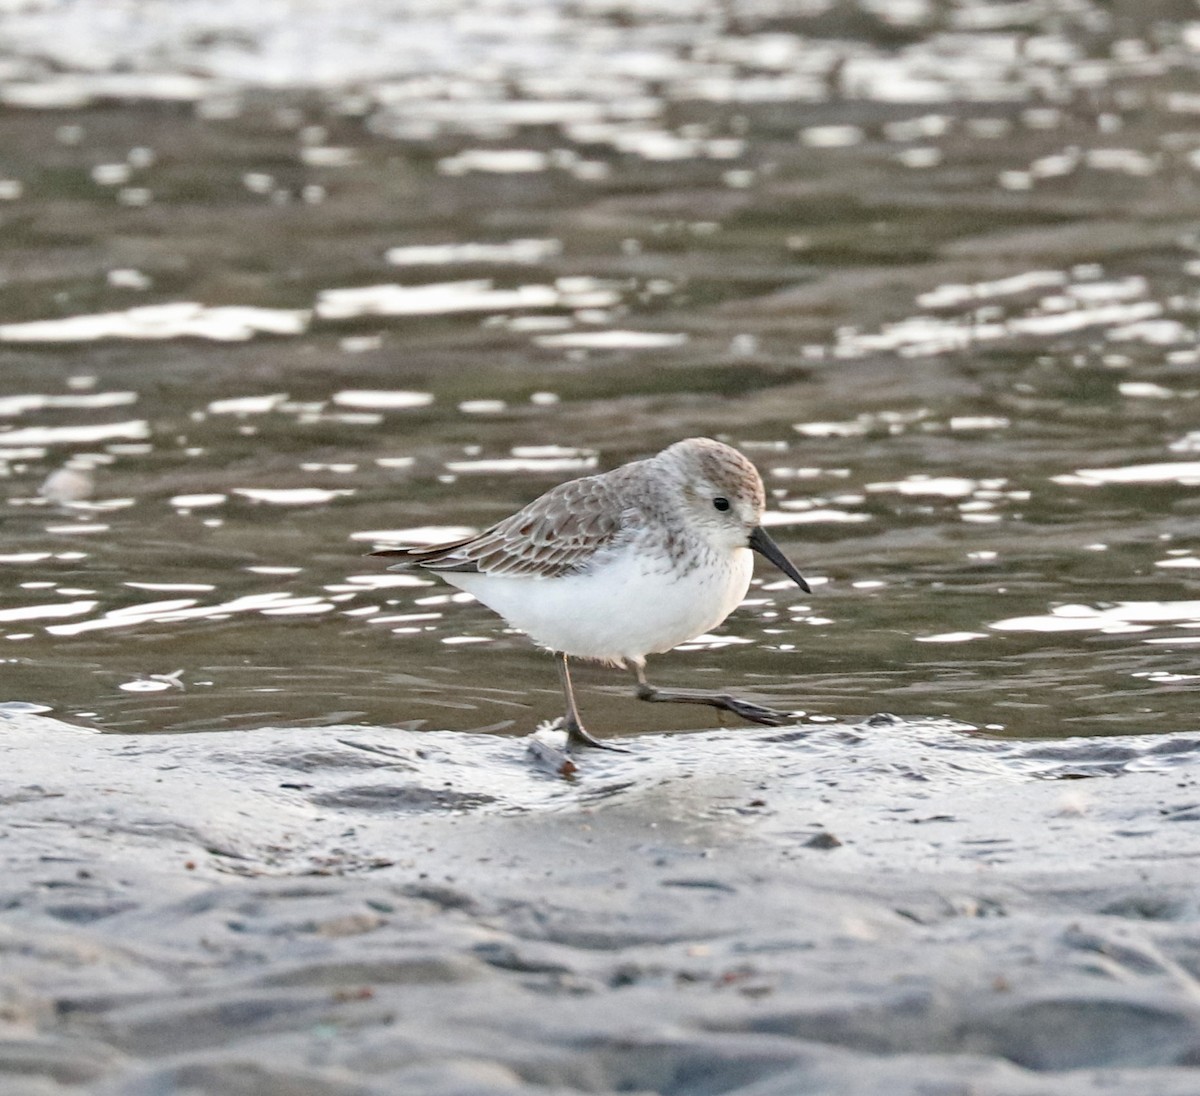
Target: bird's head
[{"x": 722, "y": 495}]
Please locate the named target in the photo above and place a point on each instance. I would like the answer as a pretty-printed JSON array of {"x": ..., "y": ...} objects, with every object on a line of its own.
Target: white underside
[{"x": 620, "y": 612}]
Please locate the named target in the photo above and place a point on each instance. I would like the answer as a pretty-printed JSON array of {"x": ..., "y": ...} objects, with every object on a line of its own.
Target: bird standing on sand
[{"x": 617, "y": 566}]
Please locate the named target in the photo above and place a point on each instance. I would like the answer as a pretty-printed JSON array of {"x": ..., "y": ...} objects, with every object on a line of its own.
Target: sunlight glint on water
[{"x": 915, "y": 281}]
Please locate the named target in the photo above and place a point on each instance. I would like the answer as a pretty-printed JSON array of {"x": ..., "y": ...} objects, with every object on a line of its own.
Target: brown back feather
[{"x": 556, "y": 534}]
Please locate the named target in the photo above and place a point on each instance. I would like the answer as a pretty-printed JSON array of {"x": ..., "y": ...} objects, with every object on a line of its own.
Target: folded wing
[{"x": 559, "y": 534}]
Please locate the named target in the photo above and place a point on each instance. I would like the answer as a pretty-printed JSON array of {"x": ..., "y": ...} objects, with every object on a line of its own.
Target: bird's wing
[{"x": 557, "y": 534}]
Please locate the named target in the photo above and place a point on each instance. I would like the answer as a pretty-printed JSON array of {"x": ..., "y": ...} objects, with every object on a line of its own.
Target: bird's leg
[
  {"x": 577, "y": 734},
  {"x": 756, "y": 713}
]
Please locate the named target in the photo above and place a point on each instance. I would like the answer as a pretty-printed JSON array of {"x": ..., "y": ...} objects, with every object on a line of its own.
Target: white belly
[{"x": 620, "y": 612}]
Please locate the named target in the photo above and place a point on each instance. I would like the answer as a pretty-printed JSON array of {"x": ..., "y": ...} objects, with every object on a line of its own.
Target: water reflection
[
  {"x": 934, "y": 268},
  {"x": 162, "y": 321}
]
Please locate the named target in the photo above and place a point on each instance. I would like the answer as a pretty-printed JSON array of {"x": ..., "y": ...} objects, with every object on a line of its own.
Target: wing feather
[{"x": 556, "y": 534}]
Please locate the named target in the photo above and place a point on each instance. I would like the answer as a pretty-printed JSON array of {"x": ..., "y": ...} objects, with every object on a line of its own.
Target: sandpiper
[{"x": 621, "y": 565}]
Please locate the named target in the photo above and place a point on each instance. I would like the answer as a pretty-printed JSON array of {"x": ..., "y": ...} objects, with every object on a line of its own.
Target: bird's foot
[
  {"x": 578, "y": 735},
  {"x": 755, "y": 713}
]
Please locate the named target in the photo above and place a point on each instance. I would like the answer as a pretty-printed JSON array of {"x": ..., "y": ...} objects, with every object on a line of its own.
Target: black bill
[{"x": 765, "y": 546}]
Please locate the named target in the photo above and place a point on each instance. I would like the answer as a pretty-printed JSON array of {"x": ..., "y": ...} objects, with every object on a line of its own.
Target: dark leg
[
  {"x": 756, "y": 713},
  {"x": 577, "y": 734}
]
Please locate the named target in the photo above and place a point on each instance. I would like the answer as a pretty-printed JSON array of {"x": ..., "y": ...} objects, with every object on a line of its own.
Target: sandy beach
[{"x": 891, "y": 908}]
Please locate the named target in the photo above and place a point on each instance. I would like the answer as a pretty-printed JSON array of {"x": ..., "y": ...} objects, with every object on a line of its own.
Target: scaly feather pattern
[{"x": 560, "y": 533}]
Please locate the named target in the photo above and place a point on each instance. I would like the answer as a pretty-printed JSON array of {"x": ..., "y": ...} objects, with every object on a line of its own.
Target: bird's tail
[
  {"x": 402, "y": 558},
  {"x": 437, "y": 557}
]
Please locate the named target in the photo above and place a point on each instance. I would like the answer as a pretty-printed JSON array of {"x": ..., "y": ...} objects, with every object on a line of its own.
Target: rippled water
[{"x": 282, "y": 283}]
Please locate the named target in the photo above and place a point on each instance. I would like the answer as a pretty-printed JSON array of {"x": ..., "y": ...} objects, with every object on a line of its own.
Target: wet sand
[{"x": 893, "y": 907}]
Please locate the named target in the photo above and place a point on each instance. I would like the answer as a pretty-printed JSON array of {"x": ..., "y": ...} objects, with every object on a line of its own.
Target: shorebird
[{"x": 621, "y": 565}]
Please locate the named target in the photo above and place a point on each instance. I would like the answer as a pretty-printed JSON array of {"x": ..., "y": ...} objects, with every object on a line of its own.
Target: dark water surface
[{"x": 274, "y": 292}]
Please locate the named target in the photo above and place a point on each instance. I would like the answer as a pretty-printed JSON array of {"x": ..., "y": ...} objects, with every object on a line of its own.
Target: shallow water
[{"x": 935, "y": 271}]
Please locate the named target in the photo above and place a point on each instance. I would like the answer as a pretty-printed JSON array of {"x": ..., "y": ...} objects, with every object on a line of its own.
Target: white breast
[{"x": 620, "y": 612}]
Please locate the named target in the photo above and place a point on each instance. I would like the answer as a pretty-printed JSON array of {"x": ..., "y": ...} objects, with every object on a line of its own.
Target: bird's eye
[{"x": 721, "y": 503}]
